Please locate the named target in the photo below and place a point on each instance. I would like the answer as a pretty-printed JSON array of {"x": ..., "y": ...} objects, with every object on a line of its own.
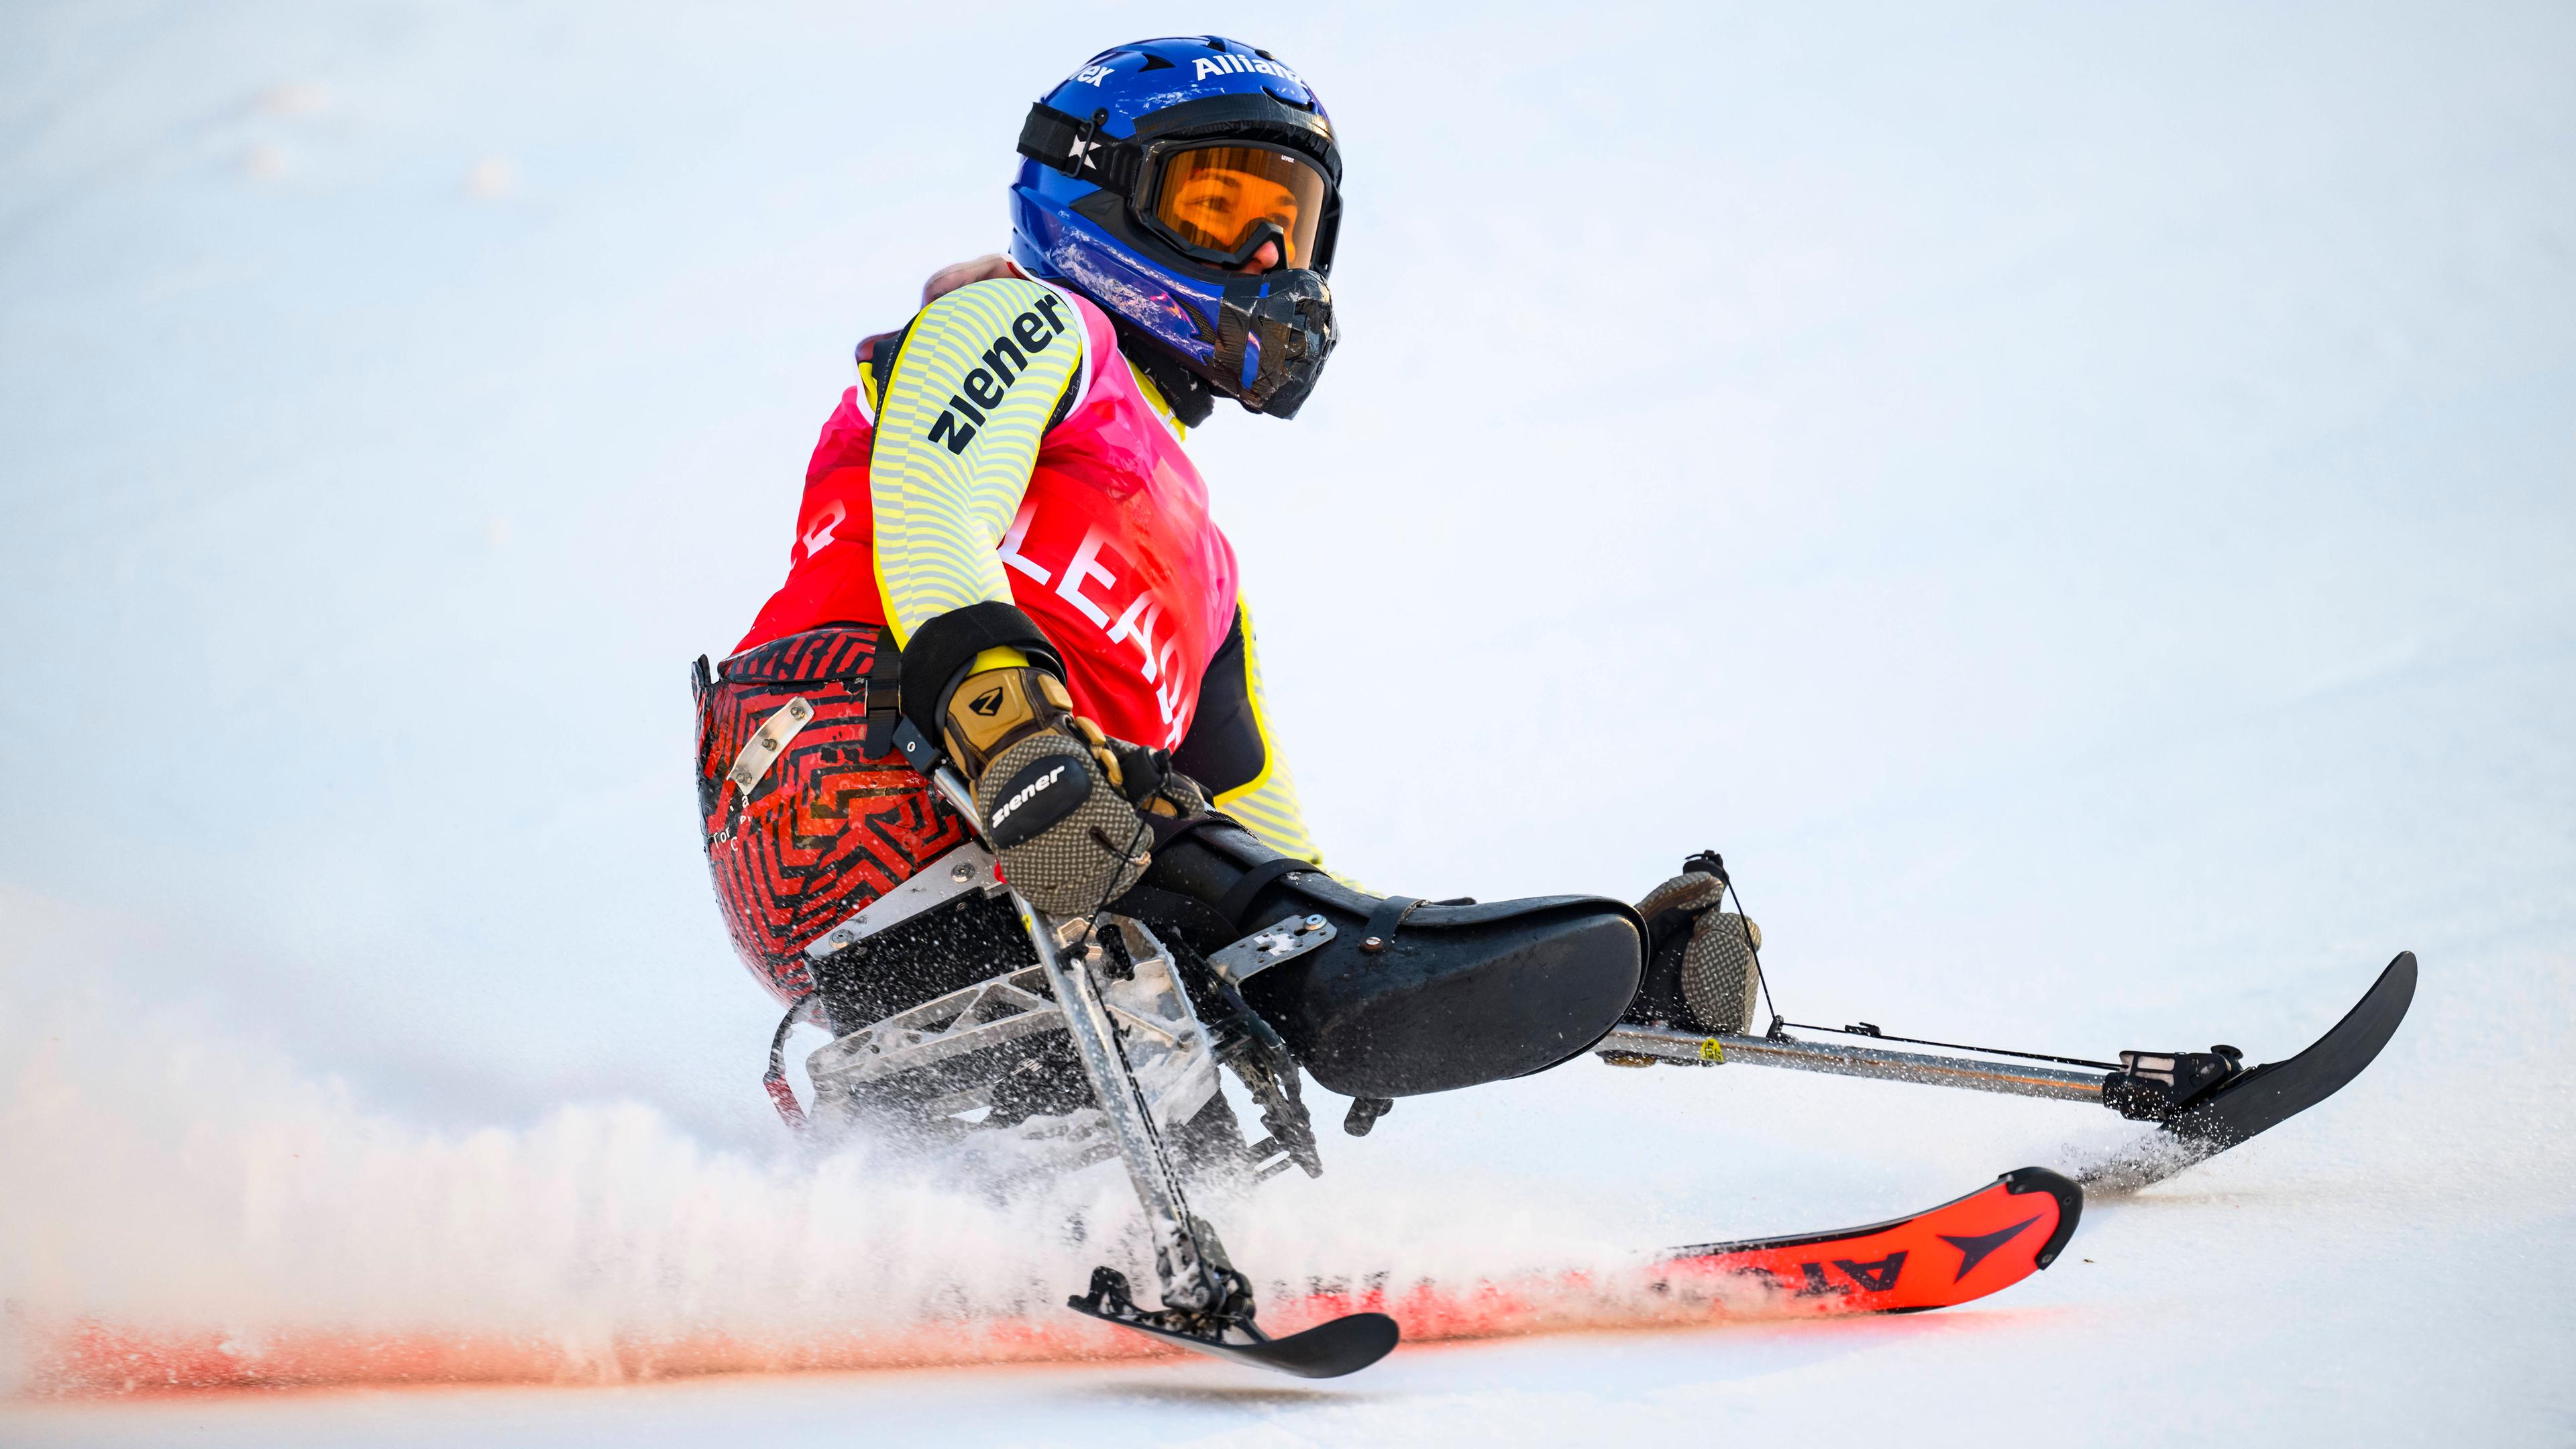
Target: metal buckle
[
  {"x": 968, "y": 867},
  {"x": 768, "y": 743},
  {"x": 1283, "y": 940}
]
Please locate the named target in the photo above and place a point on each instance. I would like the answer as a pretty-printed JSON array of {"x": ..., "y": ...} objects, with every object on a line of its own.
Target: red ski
[{"x": 1962, "y": 1250}]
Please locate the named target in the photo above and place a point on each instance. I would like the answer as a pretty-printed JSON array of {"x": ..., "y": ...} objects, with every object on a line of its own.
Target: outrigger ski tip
[
  {"x": 1326, "y": 1351},
  {"x": 2261, "y": 1098}
]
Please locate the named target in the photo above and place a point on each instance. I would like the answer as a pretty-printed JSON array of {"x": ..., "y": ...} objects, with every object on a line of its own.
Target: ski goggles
[
  {"x": 1218, "y": 202},
  {"x": 1212, "y": 179}
]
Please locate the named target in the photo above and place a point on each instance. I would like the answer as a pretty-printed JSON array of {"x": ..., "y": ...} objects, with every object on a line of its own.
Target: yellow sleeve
[
  {"x": 1231, "y": 751},
  {"x": 981, "y": 375}
]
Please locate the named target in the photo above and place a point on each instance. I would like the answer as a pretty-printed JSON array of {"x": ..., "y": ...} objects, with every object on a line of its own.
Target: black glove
[{"x": 1060, "y": 799}]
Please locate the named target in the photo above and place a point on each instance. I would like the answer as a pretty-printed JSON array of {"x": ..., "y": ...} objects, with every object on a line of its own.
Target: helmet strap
[{"x": 1073, "y": 145}]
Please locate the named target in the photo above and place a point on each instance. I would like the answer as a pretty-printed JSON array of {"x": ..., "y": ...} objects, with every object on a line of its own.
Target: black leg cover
[{"x": 1408, "y": 998}]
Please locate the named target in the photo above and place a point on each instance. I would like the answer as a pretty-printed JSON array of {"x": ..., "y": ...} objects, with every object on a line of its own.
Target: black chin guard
[{"x": 1274, "y": 332}]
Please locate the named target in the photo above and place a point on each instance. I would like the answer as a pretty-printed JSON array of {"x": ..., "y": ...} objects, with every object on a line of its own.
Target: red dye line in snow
[
  {"x": 89, "y": 1359},
  {"x": 1962, "y": 1250}
]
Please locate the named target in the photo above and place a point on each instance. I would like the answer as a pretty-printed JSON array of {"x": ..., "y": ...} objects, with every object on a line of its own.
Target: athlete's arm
[
  {"x": 1230, "y": 752},
  {"x": 966, "y": 396},
  {"x": 971, "y": 390}
]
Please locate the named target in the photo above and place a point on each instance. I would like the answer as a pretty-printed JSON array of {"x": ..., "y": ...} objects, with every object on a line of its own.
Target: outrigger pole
[
  {"x": 2201, "y": 1102},
  {"x": 2009, "y": 1078},
  {"x": 2142, "y": 1086}
]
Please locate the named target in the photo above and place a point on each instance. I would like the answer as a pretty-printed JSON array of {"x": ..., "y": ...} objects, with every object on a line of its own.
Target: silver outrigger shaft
[
  {"x": 2015, "y": 1079},
  {"x": 1207, "y": 1304},
  {"x": 2145, "y": 1086},
  {"x": 1064, "y": 948}
]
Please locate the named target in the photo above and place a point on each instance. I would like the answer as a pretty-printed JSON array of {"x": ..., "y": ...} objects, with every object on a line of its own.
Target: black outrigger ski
[{"x": 1325, "y": 1351}]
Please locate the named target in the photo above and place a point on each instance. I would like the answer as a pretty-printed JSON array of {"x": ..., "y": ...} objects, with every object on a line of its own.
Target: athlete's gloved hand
[
  {"x": 1721, "y": 980},
  {"x": 1060, "y": 799}
]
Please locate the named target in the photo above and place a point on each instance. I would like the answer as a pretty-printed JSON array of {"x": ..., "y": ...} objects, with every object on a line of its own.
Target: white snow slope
[{"x": 2078, "y": 502}]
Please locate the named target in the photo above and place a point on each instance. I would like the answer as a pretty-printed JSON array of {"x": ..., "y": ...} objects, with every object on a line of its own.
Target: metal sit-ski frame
[{"x": 1129, "y": 1008}]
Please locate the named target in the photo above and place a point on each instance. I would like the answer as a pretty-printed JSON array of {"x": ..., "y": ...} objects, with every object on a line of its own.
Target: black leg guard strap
[
  {"x": 1386, "y": 920},
  {"x": 1238, "y": 897}
]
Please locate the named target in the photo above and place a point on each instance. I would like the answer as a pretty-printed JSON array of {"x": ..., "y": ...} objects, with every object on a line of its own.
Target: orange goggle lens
[{"x": 1214, "y": 196}]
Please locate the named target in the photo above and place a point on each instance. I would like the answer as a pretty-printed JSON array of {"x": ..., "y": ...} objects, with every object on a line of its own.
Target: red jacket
[{"x": 1111, "y": 552}]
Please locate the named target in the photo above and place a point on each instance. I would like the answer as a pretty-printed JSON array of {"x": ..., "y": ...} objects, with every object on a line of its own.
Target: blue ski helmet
[{"x": 1153, "y": 174}]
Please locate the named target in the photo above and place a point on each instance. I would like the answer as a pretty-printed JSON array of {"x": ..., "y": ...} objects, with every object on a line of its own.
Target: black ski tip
[
  {"x": 2274, "y": 1092},
  {"x": 2070, "y": 1205},
  {"x": 1325, "y": 1351},
  {"x": 2265, "y": 1096},
  {"x": 2399, "y": 975}
]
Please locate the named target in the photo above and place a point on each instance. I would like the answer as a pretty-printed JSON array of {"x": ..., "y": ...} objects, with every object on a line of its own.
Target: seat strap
[
  {"x": 884, "y": 683},
  {"x": 1238, "y": 898},
  {"x": 1386, "y": 920}
]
